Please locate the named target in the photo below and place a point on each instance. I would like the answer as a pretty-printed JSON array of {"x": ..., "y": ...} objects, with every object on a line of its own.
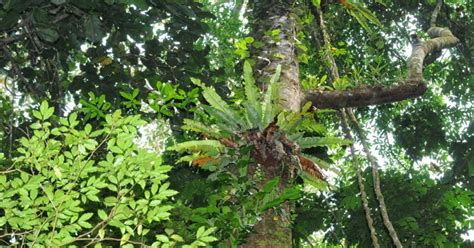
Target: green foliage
[
  {"x": 209, "y": 146},
  {"x": 95, "y": 107},
  {"x": 308, "y": 142},
  {"x": 166, "y": 98},
  {"x": 139, "y": 55},
  {"x": 256, "y": 111},
  {"x": 78, "y": 186},
  {"x": 241, "y": 47},
  {"x": 362, "y": 15},
  {"x": 424, "y": 206},
  {"x": 93, "y": 46}
]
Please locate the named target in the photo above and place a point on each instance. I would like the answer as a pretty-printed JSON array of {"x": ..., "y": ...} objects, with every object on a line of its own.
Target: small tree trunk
[{"x": 274, "y": 229}]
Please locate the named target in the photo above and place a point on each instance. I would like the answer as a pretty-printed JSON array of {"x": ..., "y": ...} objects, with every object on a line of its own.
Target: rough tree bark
[{"x": 274, "y": 229}]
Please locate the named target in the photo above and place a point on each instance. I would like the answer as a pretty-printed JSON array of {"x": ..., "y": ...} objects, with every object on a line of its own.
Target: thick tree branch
[
  {"x": 361, "y": 97},
  {"x": 274, "y": 228},
  {"x": 412, "y": 87},
  {"x": 440, "y": 38}
]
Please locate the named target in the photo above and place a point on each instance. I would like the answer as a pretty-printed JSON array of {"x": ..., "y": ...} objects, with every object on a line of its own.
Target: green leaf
[
  {"x": 289, "y": 121},
  {"x": 199, "y": 127},
  {"x": 126, "y": 95},
  {"x": 316, "y": 3},
  {"x": 177, "y": 238},
  {"x": 208, "y": 231},
  {"x": 125, "y": 239},
  {"x": 93, "y": 29},
  {"x": 315, "y": 182},
  {"x": 251, "y": 90},
  {"x": 369, "y": 15},
  {"x": 85, "y": 216},
  {"x": 162, "y": 238},
  {"x": 102, "y": 214},
  {"x": 271, "y": 185},
  {"x": 198, "y": 145},
  {"x": 308, "y": 142},
  {"x": 197, "y": 82},
  {"x": 230, "y": 124},
  {"x": 200, "y": 231},
  {"x": 252, "y": 115},
  {"x": 323, "y": 164},
  {"x": 35, "y": 125},
  {"x": 48, "y": 34},
  {"x": 37, "y": 115},
  {"x": 209, "y": 239},
  {"x": 223, "y": 108}
]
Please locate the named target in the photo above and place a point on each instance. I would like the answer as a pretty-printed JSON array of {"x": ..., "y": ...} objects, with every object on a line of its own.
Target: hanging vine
[{"x": 334, "y": 74}]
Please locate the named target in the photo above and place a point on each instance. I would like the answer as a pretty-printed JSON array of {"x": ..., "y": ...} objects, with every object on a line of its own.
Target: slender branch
[
  {"x": 331, "y": 62},
  {"x": 115, "y": 239},
  {"x": 360, "y": 181},
  {"x": 435, "y": 13},
  {"x": 376, "y": 178}
]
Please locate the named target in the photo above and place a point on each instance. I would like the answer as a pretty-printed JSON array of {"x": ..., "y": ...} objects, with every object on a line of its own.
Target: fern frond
[
  {"x": 229, "y": 122},
  {"x": 251, "y": 90},
  {"x": 323, "y": 164},
  {"x": 289, "y": 121},
  {"x": 221, "y": 106},
  {"x": 208, "y": 146},
  {"x": 199, "y": 127},
  {"x": 313, "y": 181},
  {"x": 252, "y": 115},
  {"x": 308, "y": 142}
]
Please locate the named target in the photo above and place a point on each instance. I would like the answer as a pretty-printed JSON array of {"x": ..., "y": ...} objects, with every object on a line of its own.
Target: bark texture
[
  {"x": 412, "y": 87},
  {"x": 279, "y": 49},
  {"x": 274, "y": 229}
]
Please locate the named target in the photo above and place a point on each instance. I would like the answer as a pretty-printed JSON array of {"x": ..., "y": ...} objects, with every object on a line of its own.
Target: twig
[{"x": 118, "y": 240}]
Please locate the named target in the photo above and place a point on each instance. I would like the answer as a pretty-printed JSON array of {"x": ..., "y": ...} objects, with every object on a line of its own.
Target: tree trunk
[{"x": 274, "y": 228}]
